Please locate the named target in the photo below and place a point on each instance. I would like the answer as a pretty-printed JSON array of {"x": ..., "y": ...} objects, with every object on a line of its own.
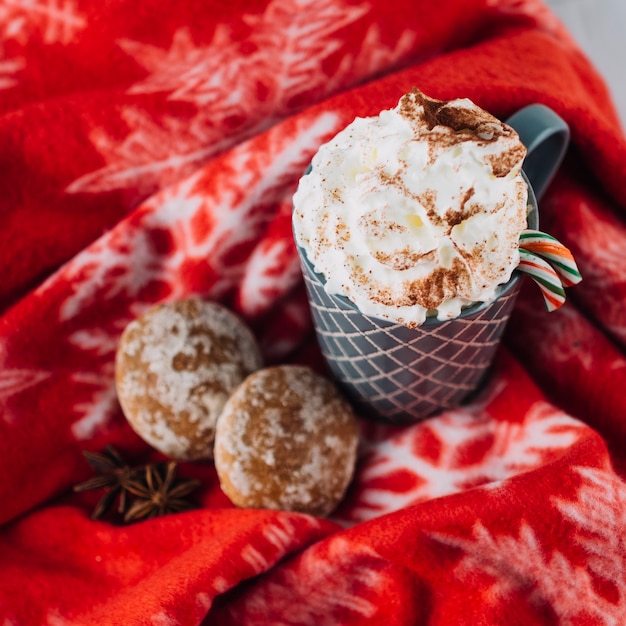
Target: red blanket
[{"x": 148, "y": 151}]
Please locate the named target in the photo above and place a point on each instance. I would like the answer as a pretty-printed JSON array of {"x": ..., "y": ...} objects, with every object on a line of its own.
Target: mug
[{"x": 402, "y": 375}]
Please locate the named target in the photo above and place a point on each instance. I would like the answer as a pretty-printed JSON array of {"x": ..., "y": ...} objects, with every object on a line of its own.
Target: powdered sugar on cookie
[
  {"x": 175, "y": 369},
  {"x": 286, "y": 440}
]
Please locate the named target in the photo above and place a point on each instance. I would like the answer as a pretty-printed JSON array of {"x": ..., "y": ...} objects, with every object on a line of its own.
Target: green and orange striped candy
[{"x": 550, "y": 264}]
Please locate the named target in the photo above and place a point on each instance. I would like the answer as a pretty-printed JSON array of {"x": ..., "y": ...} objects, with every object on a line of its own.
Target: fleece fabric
[{"x": 149, "y": 150}]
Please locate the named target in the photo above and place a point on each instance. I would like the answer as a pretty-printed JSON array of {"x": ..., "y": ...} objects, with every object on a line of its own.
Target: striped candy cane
[
  {"x": 554, "y": 252},
  {"x": 545, "y": 276}
]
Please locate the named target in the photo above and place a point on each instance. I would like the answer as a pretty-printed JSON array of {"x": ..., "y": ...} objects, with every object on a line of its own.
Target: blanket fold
[{"x": 149, "y": 152}]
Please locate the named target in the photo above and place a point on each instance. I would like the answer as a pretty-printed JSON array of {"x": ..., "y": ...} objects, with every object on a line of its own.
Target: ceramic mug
[{"x": 402, "y": 375}]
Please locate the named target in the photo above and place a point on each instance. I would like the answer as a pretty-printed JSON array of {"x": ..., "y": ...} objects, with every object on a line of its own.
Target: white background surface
[{"x": 599, "y": 26}]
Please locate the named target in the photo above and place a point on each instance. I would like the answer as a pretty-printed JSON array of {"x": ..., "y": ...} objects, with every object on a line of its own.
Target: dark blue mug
[{"x": 403, "y": 375}]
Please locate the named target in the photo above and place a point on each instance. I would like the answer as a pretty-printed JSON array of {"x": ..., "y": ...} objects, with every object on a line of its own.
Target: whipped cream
[{"x": 416, "y": 211}]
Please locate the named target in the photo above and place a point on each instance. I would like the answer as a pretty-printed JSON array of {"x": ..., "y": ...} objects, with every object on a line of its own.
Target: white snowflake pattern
[
  {"x": 191, "y": 73},
  {"x": 599, "y": 514},
  {"x": 288, "y": 43},
  {"x": 373, "y": 56},
  {"x": 509, "y": 448},
  {"x": 282, "y": 59},
  {"x": 273, "y": 269},
  {"x": 294, "y": 38},
  {"x": 281, "y": 533},
  {"x": 276, "y": 538},
  {"x": 237, "y": 218},
  {"x": 220, "y": 584},
  {"x": 8, "y": 69},
  {"x": 96, "y": 413},
  {"x": 203, "y": 604},
  {"x": 602, "y": 258},
  {"x": 55, "y": 21},
  {"x": 14, "y": 381},
  {"x": 255, "y": 559},
  {"x": 601, "y": 247},
  {"x": 163, "y": 619},
  {"x": 154, "y": 154},
  {"x": 235, "y": 222},
  {"x": 523, "y": 562},
  {"x": 359, "y": 592},
  {"x": 123, "y": 261},
  {"x": 55, "y": 618}
]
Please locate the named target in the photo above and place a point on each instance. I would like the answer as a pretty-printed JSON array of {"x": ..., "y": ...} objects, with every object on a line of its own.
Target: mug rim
[{"x": 344, "y": 302}]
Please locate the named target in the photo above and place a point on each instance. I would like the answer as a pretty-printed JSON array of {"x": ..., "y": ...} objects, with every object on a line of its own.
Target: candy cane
[
  {"x": 545, "y": 276},
  {"x": 559, "y": 257}
]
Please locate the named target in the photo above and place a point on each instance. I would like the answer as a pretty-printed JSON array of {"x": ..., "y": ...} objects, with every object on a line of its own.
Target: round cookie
[
  {"x": 175, "y": 368},
  {"x": 286, "y": 440}
]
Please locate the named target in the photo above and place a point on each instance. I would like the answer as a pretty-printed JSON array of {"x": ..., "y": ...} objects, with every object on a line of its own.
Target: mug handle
[{"x": 546, "y": 137}]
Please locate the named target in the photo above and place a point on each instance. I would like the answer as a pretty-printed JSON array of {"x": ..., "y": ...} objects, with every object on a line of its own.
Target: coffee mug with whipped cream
[{"x": 408, "y": 226}]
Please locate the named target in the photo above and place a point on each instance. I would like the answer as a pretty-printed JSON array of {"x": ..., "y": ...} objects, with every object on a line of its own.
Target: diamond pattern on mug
[{"x": 404, "y": 374}]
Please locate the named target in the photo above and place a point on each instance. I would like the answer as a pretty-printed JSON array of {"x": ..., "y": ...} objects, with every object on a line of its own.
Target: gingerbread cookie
[
  {"x": 175, "y": 368},
  {"x": 286, "y": 440}
]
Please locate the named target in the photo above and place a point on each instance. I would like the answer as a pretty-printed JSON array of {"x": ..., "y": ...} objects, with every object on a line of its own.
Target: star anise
[
  {"x": 113, "y": 474},
  {"x": 159, "y": 492}
]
